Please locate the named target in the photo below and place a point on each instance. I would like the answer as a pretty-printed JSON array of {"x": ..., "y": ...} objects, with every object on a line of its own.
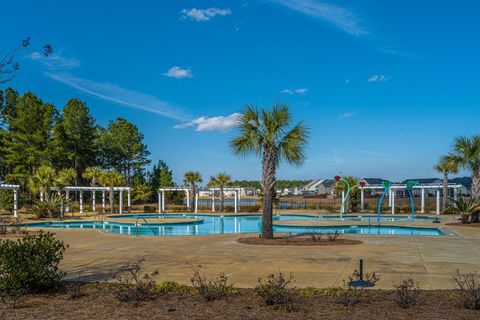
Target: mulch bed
[
  {"x": 297, "y": 241},
  {"x": 471, "y": 225},
  {"x": 99, "y": 303}
]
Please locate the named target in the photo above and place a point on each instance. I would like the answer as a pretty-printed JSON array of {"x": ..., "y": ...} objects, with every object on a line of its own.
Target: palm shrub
[
  {"x": 50, "y": 207},
  {"x": 269, "y": 135},
  {"x": 469, "y": 210}
]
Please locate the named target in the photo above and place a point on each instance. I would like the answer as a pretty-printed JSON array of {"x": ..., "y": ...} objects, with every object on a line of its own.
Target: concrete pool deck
[{"x": 95, "y": 255}]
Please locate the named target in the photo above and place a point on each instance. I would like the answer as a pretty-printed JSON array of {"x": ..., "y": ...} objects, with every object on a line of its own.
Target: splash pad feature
[{"x": 349, "y": 190}]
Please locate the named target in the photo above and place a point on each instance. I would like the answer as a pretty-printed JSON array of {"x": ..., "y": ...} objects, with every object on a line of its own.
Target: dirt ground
[{"x": 99, "y": 303}]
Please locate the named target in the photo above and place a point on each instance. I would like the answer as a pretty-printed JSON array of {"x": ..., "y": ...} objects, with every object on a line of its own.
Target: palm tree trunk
[
  {"x": 192, "y": 197},
  {"x": 222, "y": 198},
  {"x": 476, "y": 185},
  {"x": 445, "y": 192},
  {"x": 112, "y": 200},
  {"x": 269, "y": 164}
]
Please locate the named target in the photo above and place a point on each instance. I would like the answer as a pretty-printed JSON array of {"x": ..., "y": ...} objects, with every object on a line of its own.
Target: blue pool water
[{"x": 229, "y": 224}]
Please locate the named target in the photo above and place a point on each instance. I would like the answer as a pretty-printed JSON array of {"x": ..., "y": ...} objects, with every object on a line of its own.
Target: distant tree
[
  {"x": 28, "y": 141},
  {"x": 74, "y": 138},
  {"x": 191, "y": 178},
  {"x": 111, "y": 179},
  {"x": 446, "y": 166},
  {"x": 10, "y": 67},
  {"x": 466, "y": 153},
  {"x": 162, "y": 176},
  {"x": 121, "y": 147},
  {"x": 8, "y": 101},
  {"x": 352, "y": 199},
  {"x": 141, "y": 191},
  {"x": 221, "y": 181},
  {"x": 268, "y": 134}
]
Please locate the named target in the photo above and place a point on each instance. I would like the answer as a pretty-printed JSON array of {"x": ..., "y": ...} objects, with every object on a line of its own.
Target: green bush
[
  {"x": 30, "y": 265},
  {"x": 277, "y": 291},
  {"x": 211, "y": 289}
]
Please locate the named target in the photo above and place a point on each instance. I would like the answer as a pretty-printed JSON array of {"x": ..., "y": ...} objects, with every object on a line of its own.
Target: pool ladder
[{"x": 146, "y": 222}]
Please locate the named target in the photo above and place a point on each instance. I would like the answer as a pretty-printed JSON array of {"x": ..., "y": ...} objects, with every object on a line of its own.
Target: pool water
[{"x": 227, "y": 225}]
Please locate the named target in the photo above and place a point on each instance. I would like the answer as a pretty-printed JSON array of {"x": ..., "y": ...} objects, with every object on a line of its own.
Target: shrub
[
  {"x": 406, "y": 293},
  {"x": 211, "y": 289},
  {"x": 254, "y": 208},
  {"x": 277, "y": 290},
  {"x": 333, "y": 236},
  {"x": 150, "y": 209},
  {"x": 172, "y": 287},
  {"x": 29, "y": 265},
  {"x": 132, "y": 286},
  {"x": 350, "y": 295},
  {"x": 74, "y": 290},
  {"x": 6, "y": 200},
  {"x": 51, "y": 207},
  {"x": 469, "y": 286}
]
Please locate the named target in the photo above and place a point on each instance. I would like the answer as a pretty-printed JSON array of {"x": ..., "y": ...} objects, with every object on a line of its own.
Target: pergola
[
  {"x": 391, "y": 194},
  {"x": 161, "y": 197},
  {"x": 94, "y": 190},
  {"x": 15, "y": 188},
  {"x": 236, "y": 195}
]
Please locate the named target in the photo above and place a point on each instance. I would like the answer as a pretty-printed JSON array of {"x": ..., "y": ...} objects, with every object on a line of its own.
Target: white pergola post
[
  {"x": 423, "y": 201},
  {"x": 103, "y": 201},
  {"x": 213, "y": 200},
  {"x": 187, "y": 192},
  {"x": 390, "y": 198},
  {"x": 393, "y": 202},
  {"x": 41, "y": 194},
  {"x": 455, "y": 193},
  {"x": 120, "y": 202},
  {"x": 67, "y": 199},
  {"x": 362, "y": 199},
  {"x": 15, "y": 203},
  {"x": 81, "y": 201},
  {"x": 93, "y": 201},
  {"x": 163, "y": 201},
  {"x": 159, "y": 193},
  {"x": 235, "y": 201},
  {"x": 59, "y": 193},
  {"x": 438, "y": 201},
  {"x": 239, "y": 198},
  {"x": 129, "y": 201},
  {"x": 342, "y": 206},
  {"x": 196, "y": 202}
]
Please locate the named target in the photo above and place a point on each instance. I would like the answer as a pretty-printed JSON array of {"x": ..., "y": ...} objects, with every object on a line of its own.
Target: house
[
  {"x": 310, "y": 189},
  {"x": 326, "y": 187}
]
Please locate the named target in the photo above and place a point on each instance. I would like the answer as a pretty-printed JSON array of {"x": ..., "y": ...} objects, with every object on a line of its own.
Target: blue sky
[{"x": 383, "y": 85}]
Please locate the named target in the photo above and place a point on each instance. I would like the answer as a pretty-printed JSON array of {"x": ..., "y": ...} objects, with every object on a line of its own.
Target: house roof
[
  {"x": 373, "y": 181},
  {"x": 464, "y": 181}
]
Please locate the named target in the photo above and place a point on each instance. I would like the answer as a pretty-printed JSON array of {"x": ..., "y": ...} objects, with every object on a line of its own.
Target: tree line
[{"x": 35, "y": 134}]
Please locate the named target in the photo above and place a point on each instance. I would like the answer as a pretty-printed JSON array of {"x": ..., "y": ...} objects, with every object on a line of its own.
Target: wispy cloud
[
  {"x": 379, "y": 78},
  {"x": 202, "y": 15},
  {"x": 294, "y": 91},
  {"x": 55, "y": 61},
  {"x": 337, "y": 16},
  {"x": 114, "y": 93},
  {"x": 219, "y": 123},
  {"x": 178, "y": 73},
  {"x": 346, "y": 115}
]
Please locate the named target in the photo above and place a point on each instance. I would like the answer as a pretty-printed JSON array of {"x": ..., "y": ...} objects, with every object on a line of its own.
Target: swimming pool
[{"x": 227, "y": 225}]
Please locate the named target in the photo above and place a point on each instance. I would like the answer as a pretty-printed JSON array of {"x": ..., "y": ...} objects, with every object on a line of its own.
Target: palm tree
[
  {"x": 191, "y": 178},
  {"x": 43, "y": 178},
  {"x": 92, "y": 174},
  {"x": 111, "y": 179},
  {"x": 221, "y": 180},
  {"x": 446, "y": 166},
  {"x": 268, "y": 134},
  {"x": 466, "y": 154}
]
